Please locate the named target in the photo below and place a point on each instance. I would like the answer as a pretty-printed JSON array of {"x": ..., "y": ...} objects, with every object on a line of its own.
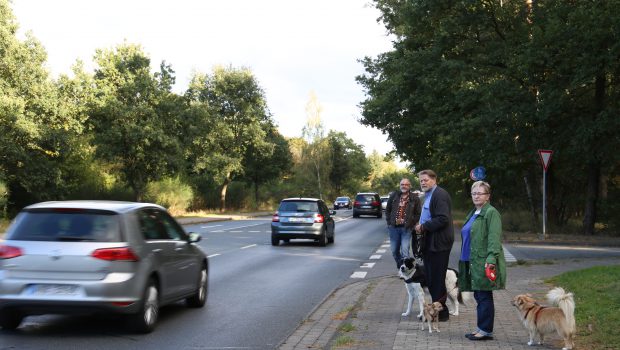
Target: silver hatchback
[{"x": 98, "y": 256}]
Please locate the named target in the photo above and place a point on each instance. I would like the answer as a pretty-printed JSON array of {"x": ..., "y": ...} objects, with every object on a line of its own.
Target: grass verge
[
  {"x": 597, "y": 305},
  {"x": 344, "y": 341}
]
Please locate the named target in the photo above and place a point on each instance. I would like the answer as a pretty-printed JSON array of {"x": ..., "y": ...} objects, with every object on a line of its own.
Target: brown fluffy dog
[
  {"x": 431, "y": 314},
  {"x": 540, "y": 320}
]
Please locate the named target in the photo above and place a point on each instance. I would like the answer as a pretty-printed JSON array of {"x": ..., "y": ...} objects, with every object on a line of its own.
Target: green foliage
[
  {"x": 4, "y": 197},
  {"x": 488, "y": 83},
  {"x": 349, "y": 166},
  {"x": 171, "y": 193},
  {"x": 597, "y": 293}
]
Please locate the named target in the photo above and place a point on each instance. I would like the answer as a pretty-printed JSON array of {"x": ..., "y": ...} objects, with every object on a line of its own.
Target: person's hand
[
  {"x": 418, "y": 228},
  {"x": 491, "y": 266}
]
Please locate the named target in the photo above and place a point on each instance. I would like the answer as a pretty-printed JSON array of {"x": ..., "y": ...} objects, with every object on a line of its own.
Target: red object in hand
[{"x": 490, "y": 272}]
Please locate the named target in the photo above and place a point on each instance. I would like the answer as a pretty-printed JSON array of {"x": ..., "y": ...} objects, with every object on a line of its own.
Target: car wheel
[
  {"x": 10, "y": 320},
  {"x": 274, "y": 241},
  {"x": 323, "y": 238},
  {"x": 199, "y": 299},
  {"x": 144, "y": 320}
]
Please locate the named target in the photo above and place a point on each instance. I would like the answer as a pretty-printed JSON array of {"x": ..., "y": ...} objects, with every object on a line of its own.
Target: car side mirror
[
  {"x": 194, "y": 237},
  {"x": 332, "y": 212}
]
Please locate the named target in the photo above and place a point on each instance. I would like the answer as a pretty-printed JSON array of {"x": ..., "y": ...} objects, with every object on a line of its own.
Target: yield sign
[{"x": 545, "y": 157}]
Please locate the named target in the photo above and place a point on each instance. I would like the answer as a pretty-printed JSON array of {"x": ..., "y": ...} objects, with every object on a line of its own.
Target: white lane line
[
  {"x": 509, "y": 257},
  {"x": 380, "y": 251},
  {"x": 212, "y": 255},
  {"x": 249, "y": 246},
  {"x": 385, "y": 246},
  {"x": 359, "y": 274},
  {"x": 367, "y": 265},
  {"x": 253, "y": 231},
  {"x": 238, "y": 227},
  {"x": 375, "y": 257},
  {"x": 235, "y": 231},
  {"x": 211, "y": 226}
]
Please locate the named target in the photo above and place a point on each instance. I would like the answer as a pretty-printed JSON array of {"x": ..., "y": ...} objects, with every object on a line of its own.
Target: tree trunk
[
  {"x": 589, "y": 218},
  {"x": 223, "y": 193},
  {"x": 531, "y": 202}
]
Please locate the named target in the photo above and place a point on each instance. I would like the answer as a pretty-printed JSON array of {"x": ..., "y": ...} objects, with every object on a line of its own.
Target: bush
[
  {"x": 170, "y": 193},
  {"x": 4, "y": 198}
]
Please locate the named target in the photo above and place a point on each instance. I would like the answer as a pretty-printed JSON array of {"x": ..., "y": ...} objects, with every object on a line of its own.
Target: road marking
[
  {"x": 210, "y": 226},
  {"x": 359, "y": 274},
  {"x": 212, "y": 255},
  {"x": 385, "y": 246},
  {"x": 235, "y": 231},
  {"x": 367, "y": 265},
  {"x": 253, "y": 231},
  {"x": 233, "y": 228},
  {"x": 375, "y": 257},
  {"x": 509, "y": 257},
  {"x": 249, "y": 246},
  {"x": 380, "y": 251}
]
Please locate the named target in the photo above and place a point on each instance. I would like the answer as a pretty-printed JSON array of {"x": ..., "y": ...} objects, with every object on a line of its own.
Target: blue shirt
[
  {"x": 466, "y": 237},
  {"x": 426, "y": 211}
]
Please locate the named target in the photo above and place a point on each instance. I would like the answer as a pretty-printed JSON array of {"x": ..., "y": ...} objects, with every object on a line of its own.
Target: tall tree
[
  {"x": 316, "y": 150},
  {"x": 349, "y": 166},
  {"x": 489, "y": 82},
  {"x": 231, "y": 109},
  {"x": 136, "y": 130}
]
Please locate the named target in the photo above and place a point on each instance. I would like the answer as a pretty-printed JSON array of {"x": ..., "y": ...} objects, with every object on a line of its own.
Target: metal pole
[{"x": 544, "y": 232}]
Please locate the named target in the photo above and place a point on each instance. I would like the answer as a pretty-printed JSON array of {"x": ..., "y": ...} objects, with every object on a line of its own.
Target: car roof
[
  {"x": 115, "y": 206},
  {"x": 373, "y": 193},
  {"x": 301, "y": 199}
]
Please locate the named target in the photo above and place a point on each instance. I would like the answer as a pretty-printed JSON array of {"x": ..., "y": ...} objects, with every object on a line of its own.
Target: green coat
[{"x": 485, "y": 247}]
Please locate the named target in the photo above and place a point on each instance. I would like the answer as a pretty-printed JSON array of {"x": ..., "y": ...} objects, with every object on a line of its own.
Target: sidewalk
[{"x": 371, "y": 312}]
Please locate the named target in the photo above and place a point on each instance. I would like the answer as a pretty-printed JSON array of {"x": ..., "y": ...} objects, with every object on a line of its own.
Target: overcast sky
[{"x": 292, "y": 46}]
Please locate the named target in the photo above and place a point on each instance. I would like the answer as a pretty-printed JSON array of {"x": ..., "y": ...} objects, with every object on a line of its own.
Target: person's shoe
[
  {"x": 467, "y": 335},
  {"x": 482, "y": 337}
]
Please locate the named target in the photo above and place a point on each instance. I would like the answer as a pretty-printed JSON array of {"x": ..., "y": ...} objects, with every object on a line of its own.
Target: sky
[{"x": 293, "y": 47}]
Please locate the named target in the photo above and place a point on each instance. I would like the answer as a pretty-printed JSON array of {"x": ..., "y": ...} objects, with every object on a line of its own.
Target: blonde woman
[{"x": 482, "y": 267}]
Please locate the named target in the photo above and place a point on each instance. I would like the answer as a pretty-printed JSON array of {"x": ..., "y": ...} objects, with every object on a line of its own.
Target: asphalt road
[{"x": 258, "y": 294}]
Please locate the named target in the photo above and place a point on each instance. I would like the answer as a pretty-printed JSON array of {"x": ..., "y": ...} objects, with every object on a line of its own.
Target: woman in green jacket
[{"x": 482, "y": 267}]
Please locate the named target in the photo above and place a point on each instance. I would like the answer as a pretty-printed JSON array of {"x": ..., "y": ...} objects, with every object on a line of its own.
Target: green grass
[
  {"x": 343, "y": 341},
  {"x": 597, "y": 305},
  {"x": 347, "y": 327}
]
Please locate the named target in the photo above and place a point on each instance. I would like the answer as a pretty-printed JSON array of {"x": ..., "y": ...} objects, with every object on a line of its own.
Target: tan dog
[
  {"x": 431, "y": 314},
  {"x": 540, "y": 320}
]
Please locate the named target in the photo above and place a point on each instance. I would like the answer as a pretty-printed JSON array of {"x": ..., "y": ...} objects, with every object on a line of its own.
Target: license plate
[
  {"x": 297, "y": 220},
  {"x": 55, "y": 289},
  {"x": 366, "y": 207}
]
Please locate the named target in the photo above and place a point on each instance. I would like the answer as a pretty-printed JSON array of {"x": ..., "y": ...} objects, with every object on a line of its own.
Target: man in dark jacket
[
  {"x": 402, "y": 213},
  {"x": 436, "y": 225}
]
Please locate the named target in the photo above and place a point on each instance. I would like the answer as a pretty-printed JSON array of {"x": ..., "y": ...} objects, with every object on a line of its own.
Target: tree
[
  {"x": 488, "y": 82},
  {"x": 229, "y": 108},
  {"x": 268, "y": 160},
  {"x": 350, "y": 167},
  {"x": 316, "y": 150},
  {"x": 136, "y": 129}
]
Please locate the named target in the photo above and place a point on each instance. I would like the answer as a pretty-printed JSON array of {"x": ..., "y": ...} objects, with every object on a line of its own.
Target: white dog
[{"x": 413, "y": 274}]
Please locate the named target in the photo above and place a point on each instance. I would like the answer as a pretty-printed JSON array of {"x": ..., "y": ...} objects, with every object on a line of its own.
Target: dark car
[
  {"x": 303, "y": 218},
  {"x": 98, "y": 256},
  {"x": 367, "y": 203},
  {"x": 343, "y": 202}
]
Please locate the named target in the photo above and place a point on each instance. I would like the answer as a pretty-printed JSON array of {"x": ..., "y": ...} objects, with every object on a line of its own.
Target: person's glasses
[{"x": 474, "y": 194}]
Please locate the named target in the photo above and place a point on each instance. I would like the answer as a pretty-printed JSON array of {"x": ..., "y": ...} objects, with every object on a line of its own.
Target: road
[{"x": 258, "y": 293}]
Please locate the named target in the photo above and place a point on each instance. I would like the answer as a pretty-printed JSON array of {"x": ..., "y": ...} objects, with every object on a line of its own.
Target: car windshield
[
  {"x": 298, "y": 206},
  {"x": 342, "y": 198},
  {"x": 66, "y": 225}
]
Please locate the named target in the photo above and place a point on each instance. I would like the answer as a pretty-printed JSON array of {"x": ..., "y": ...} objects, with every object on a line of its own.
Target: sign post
[{"x": 545, "y": 159}]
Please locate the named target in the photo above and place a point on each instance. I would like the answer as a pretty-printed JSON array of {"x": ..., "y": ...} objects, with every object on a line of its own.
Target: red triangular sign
[{"x": 545, "y": 157}]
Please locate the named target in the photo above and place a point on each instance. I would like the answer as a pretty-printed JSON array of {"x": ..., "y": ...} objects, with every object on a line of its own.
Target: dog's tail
[{"x": 564, "y": 300}]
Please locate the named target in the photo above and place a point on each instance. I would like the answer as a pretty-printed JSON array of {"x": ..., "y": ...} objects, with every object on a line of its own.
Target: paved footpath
[{"x": 366, "y": 315}]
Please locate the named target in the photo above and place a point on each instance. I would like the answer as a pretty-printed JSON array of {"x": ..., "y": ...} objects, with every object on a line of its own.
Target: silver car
[
  {"x": 303, "y": 218},
  {"x": 98, "y": 256}
]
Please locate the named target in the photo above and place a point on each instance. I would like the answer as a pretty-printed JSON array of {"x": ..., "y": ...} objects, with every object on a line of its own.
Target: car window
[
  {"x": 173, "y": 230},
  {"x": 66, "y": 225},
  {"x": 365, "y": 198},
  {"x": 298, "y": 206},
  {"x": 150, "y": 225},
  {"x": 342, "y": 198}
]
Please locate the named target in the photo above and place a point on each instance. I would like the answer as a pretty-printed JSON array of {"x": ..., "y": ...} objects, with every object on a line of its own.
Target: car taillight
[
  {"x": 8, "y": 252},
  {"x": 356, "y": 203},
  {"x": 375, "y": 203},
  {"x": 276, "y": 217},
  {"x": 318, "y": 218},
  {"x": 115, "y": 254}
]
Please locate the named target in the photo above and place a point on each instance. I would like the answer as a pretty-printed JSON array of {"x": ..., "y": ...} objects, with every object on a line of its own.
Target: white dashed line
[
  {"x": 253, "y": 231},
  {"x": 235, "y": 231},
  {"x": 248, "y": 246},
  {"x": 509, "y": 257},
  {"x": 375, "y": 257},
  {"x": 359, "y": 274},
  {"x": 210, "y": 226},
  {"x": 212, "y": 255},
  {"x": 380, "y": 251},
  {"x": 385, "y": 246},
  {"x": 367, "y": 265}
]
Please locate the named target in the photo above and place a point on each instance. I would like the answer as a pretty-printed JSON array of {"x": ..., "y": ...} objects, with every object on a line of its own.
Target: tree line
[
  {"x": 120, "y": 132},
  {"x": 490, "y": 82}
]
